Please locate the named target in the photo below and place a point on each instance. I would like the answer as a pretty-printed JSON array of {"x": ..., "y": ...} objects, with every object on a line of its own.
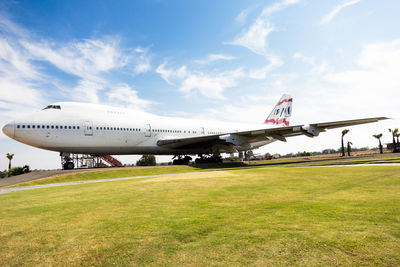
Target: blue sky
[{"x": 227, "y": 60}]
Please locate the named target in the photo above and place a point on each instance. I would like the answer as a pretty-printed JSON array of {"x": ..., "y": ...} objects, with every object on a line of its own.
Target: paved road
[
  {"x": 35, "y": 175},
  {"x": 22, "y": 188}
]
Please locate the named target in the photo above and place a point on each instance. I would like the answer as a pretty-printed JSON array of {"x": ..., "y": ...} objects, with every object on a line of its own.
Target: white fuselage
[{"x": 104, "y": 130}]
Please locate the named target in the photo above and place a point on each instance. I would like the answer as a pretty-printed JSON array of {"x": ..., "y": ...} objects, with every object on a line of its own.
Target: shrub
[
  {"x": 146, "y": 160},
  {"x": 18, "y": 170}
]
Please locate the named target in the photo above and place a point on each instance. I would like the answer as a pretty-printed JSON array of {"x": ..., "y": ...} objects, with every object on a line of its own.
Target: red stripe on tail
[
  {"x": 284, "y": 121},
  {"x": 285, "y": 100}
]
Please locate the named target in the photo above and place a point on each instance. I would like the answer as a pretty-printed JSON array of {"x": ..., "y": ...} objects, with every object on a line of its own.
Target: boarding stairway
[{"x": 112, "y": 161}]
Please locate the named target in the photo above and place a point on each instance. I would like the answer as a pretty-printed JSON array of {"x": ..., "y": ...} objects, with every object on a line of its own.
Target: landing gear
[
  {"x": 208, "y": 159},
  {"x": 67, "y": 161},
  {"x": 181, "y": 160},
  {"x": 68, "y": 166}
]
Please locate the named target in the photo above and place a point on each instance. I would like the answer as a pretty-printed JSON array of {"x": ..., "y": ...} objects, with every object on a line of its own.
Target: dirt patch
[{"x": 200, "y": 175}]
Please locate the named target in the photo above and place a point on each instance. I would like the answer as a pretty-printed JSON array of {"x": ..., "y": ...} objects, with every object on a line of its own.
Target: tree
[
  {"x": 379, "y": 136},
  {"x": 349, "y": 144},
  {"x": 344, "y": 132},
  {"x": 393, "y": 134},
  {"x": 146, "y": 160},
  {"x": 10, "y": 157},
  {"x": 396, "y": 134},
  {"x": 249, "y": 154},
  {"x": 18, "y": 170}
]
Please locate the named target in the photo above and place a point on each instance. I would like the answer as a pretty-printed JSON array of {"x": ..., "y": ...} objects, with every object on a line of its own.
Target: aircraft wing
[{"x": 280, "y": 133}]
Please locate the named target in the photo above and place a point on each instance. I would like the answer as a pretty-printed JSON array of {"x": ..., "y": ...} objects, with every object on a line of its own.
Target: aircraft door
[
  {"x": 202, "y": 131},
  {"x": 88, "y": 128},
  {"x": 147, "y": 130}
]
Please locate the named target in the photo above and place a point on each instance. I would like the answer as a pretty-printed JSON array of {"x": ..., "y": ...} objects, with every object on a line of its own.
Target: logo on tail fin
[{"x": 282, "y": 111}]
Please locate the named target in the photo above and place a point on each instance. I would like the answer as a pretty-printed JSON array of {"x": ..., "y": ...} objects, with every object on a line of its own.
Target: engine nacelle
[
  {"x": 234, "y": 139},
  {"x": 311, "y": 130}
]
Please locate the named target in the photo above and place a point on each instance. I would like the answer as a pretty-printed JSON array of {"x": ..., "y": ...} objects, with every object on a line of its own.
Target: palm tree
[
  {"x": 344, "y": 132},
  {"x": 379, "y": 136},
  {"x": 349, "y": 144},
  {"x": 392, "y": 131},
  {"x": 396, "y": 134},
  {"x": 10, "y": 157}
]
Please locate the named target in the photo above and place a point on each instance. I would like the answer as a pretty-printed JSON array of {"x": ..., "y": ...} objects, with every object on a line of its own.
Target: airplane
[{"x": 93, "y": 129}]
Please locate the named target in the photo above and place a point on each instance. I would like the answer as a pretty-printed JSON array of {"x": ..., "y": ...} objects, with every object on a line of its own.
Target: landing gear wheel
[
  {"x": 208, "y": 159},
  {"x": 182, "y": 161},
  {"x": 69, "y": 166}
]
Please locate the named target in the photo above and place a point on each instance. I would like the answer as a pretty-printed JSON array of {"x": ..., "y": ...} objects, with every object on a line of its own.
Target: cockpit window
[{"x": 53, "y": 107}]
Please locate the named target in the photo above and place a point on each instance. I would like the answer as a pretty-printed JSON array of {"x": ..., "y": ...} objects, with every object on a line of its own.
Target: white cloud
[
  {"x": 255, "y": 37},
  {"x": 171, "y": 76},
  {"x": 8, "y": 27},
  {"x": 375, "y": 80},
  {"x": 214, "y": 57},
  {"x": 208, "y": 85},
  {"x": 327, "y": 18},
  {"x": 24, "y": 84},
  {"x": 304, "y": 58},
  {"x": 242, "y": 17},
  {"x": 15, "y": 63},
  {"x": 251, "y": 109},
  {"x": 18, "y": 92},
  {"x": 261, "y": 73},
  {"x": 318, "y": 68},
  {"x": 20, "y": 80},
  {"x": 83, "y": 58},
  {"x": 142, "y": 61},
  {"x": 87, "y": 91},
  {"x": 125, "y": 95},
  {"x": 279, "y": 6}
]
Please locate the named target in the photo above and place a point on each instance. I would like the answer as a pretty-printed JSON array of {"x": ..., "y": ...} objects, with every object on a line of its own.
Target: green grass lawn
[
  {"x": 95, "y": 174},
  {"x": 110, "y": 173},
  {"x": 130, "y": 172},
  {"x": 254, "y": 216}
]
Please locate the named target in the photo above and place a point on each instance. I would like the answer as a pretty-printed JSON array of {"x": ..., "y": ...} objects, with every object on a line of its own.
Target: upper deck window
[{"x": 53, "y": 107}]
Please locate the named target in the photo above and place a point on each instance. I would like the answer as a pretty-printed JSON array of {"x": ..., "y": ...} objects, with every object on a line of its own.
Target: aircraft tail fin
[{"x": 281, "y": 112}]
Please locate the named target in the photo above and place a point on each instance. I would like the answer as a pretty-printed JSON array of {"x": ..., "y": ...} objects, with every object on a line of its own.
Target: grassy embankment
[
  {"x": 254, "y": 216},
  {"x": 321, "y": 161},
  {"x": 127, "y": 172},
  {"x": 132, "y": 172}
]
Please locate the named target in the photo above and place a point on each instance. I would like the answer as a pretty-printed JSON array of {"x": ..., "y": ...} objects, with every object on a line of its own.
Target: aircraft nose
[{"x": 8, "y": 129}]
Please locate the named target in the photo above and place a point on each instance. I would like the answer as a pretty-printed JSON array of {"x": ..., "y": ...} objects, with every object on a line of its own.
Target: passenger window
[
  {"x": 77, "y": 127},
  {"x": 73, "y": 127},
  {"x": 69, "y": 127},
  {"x": 61, "y": 127},
  {"x": 52, "y": 126},
  {"x": 56, "y": 126},
  {"x": 18, "y": 126},
  {"x": 48, "y": 126}
]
